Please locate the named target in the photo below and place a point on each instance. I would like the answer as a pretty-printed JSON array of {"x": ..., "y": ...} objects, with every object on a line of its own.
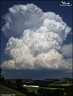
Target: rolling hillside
[{"x": 6, "y": 90}]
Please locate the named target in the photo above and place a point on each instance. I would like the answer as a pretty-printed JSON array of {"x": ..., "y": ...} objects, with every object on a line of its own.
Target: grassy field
[
  {"x": 30, "y": 89},
  {"x": 34, "y": 89},
  {"x": 6, "y": 90}
]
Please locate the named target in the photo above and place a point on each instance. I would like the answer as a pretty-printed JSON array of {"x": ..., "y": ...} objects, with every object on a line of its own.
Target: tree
[
  {"x": 19, "y": 84},
  {"x": 58, "y": 92},
  {"x": 69, "y": 90},
  {"x": 20, "y": 87},
  {"x": 1, "y": 77}
]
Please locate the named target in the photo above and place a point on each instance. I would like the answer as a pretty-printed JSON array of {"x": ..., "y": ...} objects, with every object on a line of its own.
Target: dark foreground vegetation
[{"x": 46, "y": 90}]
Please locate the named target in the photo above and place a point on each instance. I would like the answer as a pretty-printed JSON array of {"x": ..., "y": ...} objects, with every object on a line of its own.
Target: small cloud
[
  {"x": 67, "y": 50},
  {"x": 71, "y": 33}
]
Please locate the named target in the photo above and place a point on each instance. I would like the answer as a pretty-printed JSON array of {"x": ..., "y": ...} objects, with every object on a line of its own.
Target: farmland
[
  {"x": 6, "y": 90},
  {"x": 47, "y": 87}
]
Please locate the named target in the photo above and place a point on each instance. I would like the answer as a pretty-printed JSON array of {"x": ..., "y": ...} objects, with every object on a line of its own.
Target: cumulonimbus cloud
[{"x": 34, "y": 38}]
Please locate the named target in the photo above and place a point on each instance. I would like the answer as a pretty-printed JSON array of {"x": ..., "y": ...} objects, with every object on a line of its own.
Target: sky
[{"x": 36, "y": 39}]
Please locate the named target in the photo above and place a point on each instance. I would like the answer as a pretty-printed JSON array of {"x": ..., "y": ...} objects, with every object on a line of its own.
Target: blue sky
[{"x": 54, "y": 6}]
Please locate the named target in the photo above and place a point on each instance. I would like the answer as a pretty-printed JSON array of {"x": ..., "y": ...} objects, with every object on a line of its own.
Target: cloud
[
  {"x": 23, "y": 59},
  {"x": 8, "y": 64},
  {"x": 66, "y": 50},
  {"x": 20, "y": 18},
  {"x": 50, "y": 60},
  {"x": 34, "y": 38}
]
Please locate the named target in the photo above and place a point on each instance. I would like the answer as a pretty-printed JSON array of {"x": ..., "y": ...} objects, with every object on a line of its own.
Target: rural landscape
[
  {"x": 36, "y": 48},
  {"x": 29, "y": 87}
]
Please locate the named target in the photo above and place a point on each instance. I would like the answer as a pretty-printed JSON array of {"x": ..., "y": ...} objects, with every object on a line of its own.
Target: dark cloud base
[{"x": 36, "y": 74}]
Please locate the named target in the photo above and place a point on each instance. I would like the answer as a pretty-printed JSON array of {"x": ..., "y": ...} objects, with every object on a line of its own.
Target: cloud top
[{"x": 22, "y": 17}]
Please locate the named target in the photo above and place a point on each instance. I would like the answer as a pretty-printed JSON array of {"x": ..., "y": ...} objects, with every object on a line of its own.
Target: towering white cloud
[{"x": 34, "y": 38}]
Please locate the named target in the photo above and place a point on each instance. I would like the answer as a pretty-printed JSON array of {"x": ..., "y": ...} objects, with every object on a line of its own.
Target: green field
[
  {"x": 32, "y": 89},
  {"x": 6, "y": 90}
]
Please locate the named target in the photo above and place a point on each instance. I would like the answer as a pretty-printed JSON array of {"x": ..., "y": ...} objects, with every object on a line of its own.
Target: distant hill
[
  {"x": 23, "y": 80},
  {"x": 64, "y": 80},
  {"x": 45, "y": 82},
  {"x": 59, "y": 81},
  {"x": 52, "y": 81}
]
